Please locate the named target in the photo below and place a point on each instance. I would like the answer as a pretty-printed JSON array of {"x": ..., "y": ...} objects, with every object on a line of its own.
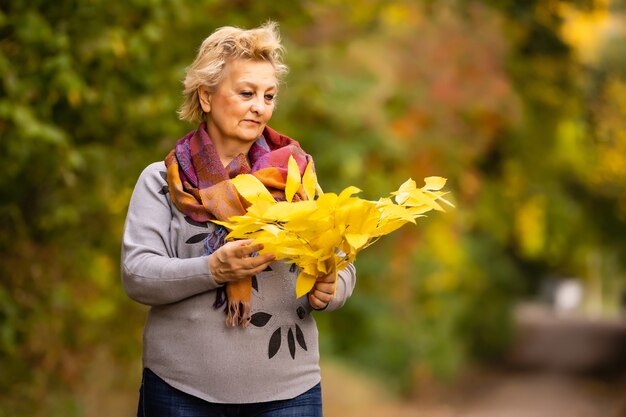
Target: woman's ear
[{"x": 205, "y": 98}]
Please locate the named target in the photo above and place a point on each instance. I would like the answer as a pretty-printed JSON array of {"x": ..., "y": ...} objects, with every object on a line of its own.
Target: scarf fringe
[{"x": 238, "y": 313}]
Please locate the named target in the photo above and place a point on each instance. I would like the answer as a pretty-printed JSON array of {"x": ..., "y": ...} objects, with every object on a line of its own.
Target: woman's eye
[
  {"x": 247, "y": 94},
  {"x": 269, "y": 97}
]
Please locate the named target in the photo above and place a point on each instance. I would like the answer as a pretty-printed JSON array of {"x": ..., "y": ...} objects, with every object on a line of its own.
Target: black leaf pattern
[
  {"x": 195, "y": 223},
  {"x": 300, "y": 337},
  {"x": 260, "y": 319},
  {"x": 292, "y": 344},
  {"x": 255, "y": 283},
  {"x": 274, "y": 345},
  {"x": 292, "y": 268},
  {"x": 197, "y": 238},
  {"x": 301, "y": 313},
  {"x": 163, "y": 175},
  {"x": 164, "y": 190},
  {"x": 269, "y": 268}
]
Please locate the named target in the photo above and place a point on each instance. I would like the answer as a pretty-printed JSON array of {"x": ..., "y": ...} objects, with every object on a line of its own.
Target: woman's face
[{"x": 242, "y": 103}]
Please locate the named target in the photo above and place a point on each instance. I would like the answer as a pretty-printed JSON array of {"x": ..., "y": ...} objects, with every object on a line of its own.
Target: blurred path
[
  {"x": 531, "y": 394},
  {"x": 556, "y": 352},
  {"x": 495, "y": 393}
]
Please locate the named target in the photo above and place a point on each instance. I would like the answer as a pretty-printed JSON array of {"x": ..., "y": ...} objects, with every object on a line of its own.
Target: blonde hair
[{"x": 226, "y": 44}]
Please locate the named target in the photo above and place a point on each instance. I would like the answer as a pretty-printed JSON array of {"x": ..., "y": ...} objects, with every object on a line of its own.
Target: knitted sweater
[{"x": 186, "y": 341}]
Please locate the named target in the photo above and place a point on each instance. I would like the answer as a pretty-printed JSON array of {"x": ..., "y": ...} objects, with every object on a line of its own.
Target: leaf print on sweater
[
  {"x": 197, "y": 238},
  {"x": 291, "y": 343},
  {"x": 300, "y": 337},
  {"x": 164, "y": 189},
  {"x": 260, "y": 319},
  {"x": 275, "y": 342}
]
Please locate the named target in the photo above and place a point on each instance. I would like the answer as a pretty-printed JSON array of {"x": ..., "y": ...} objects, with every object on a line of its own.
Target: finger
[
  {"x": 249, "y": 249},
  {"x": 257, "y": 264},
  {"x": 325, "y": 287},
  {"x": 327, "y": 278},
  {"x": 237, "y": 245},
  {"x": 265, "y": 259},
  {"x": 324, "y": 293},
  {"x": 315, "y": 302},
  {"x": 261, "y": 261},
  {"x": 318, "y": 301},
  {"x": 259, "y": 269}
]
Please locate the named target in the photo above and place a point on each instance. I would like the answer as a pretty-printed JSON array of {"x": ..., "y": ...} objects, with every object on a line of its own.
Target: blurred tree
[{"x": 77, "y": 102}]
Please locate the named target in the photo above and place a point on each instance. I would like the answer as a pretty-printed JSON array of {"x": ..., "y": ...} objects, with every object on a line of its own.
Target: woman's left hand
[{"x": 323, "y": 292}]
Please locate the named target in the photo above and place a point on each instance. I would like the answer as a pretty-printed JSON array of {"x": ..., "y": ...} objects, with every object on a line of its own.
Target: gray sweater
[{"x": 186, "y": 341}]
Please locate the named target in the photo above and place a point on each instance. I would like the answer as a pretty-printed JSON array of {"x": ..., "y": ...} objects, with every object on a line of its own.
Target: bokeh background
[{"x": 520, "y": 104}]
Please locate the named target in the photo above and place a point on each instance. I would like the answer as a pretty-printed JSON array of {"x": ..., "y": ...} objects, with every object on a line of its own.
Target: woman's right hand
[{"x": 232, "y": 261}]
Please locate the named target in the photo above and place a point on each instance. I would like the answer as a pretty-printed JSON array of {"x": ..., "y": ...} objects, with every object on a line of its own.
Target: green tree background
[{"x": 494, "y": 95}]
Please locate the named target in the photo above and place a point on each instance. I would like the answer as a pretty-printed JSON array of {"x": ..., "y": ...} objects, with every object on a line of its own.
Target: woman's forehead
[{"x": 259, "y": 73}]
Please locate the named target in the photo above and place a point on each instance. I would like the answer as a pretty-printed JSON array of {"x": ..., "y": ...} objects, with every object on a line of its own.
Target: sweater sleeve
[
  {"x": 346, "y": 280},
  {"x": 151, "y": 274}
]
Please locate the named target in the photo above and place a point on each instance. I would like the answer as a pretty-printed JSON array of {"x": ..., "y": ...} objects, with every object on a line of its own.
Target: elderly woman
[{"x": 225, "y": 334}]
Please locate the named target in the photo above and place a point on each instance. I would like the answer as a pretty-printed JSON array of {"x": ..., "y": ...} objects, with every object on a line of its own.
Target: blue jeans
[{"x": 158, "y": 399}]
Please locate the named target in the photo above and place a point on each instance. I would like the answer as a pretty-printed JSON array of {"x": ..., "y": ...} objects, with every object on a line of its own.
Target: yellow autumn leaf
[
  {"x": 304, "y": 284},
  {"x": 327, "y": 238},
  {"x": 434, "y": 183},
  {"x": 439, "y": 195},
  {"x": 293, "y": 179},
  {"x": 390, "y": 211},
  {"x": 419, "y": 198},
  {"x": 309, "y": 181},
  {"x": 348, "y": 192},
  {"x": 284, "y": 211},
  {"x": 418, "y": 211},
  {"x": 251, "y": 188},
  {"x": 245, "y": 230},
  {"x": 357, "y": 240},
  {"x": 273, "y": 229},
  {"x": 390, "y": 226},
  {"x": 403, "y": 191}
]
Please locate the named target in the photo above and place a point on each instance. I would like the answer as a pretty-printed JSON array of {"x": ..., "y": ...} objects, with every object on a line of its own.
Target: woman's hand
[
  {"x": 323, "y": 291},
  {"x": 232, "y": 261}
]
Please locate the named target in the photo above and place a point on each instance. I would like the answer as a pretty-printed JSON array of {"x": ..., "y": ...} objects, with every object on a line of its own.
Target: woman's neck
[{"x": 227, "y": 150}]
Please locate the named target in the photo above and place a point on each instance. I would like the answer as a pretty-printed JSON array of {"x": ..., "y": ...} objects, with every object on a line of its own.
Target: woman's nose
[{"x": 258, "y": 106}]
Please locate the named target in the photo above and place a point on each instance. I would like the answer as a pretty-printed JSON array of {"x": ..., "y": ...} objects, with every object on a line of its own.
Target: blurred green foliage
[{"x": 488, "y": 94}]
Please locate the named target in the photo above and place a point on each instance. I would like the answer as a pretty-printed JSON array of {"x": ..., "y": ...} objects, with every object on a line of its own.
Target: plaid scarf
[{"x": 199, "y": 189}]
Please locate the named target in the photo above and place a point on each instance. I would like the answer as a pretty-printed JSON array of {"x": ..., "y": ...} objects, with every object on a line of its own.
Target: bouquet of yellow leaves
[{"x": 323, "y": 234}]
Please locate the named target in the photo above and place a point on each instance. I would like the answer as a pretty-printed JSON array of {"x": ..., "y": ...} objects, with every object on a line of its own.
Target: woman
[{"x": 225, "y": 334}]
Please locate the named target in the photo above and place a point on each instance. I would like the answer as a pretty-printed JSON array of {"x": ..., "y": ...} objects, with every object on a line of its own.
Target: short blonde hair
[{"x": 225, "y": 44}]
